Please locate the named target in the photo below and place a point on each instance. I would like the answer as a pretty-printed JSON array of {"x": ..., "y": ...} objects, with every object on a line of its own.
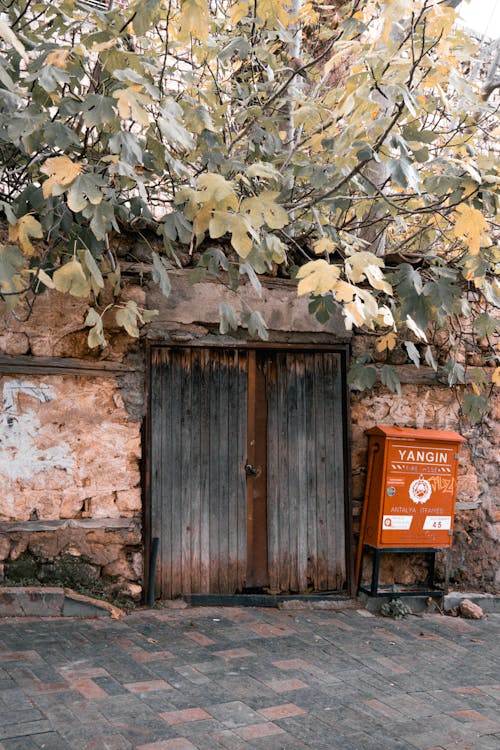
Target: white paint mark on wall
[
  {"x": 20, "y": 458},
  {"x": 13, "y": 388}
]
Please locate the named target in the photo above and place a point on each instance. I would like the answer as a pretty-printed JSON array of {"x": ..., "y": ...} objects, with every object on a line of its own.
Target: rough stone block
[{"x": 469, "y": 610}]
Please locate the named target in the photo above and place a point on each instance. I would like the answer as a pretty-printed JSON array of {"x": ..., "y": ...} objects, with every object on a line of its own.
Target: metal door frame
[{"x": 342, "y": 349}]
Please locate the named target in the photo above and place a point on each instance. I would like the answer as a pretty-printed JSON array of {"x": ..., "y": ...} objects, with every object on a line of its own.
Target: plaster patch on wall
[{"x": 20, "y": 458}]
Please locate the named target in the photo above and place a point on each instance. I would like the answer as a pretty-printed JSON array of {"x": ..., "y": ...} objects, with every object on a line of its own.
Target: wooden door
[
  {"x": 306, "y": 472},
  {"x": 247, "y": 471},
  {"x": 198, "y": 480}
]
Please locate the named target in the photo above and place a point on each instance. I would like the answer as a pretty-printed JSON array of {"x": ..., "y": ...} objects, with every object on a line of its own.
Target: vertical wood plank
[
  {"x": 195, "y": 471},
  {"x": 250, "y": 459},
  {"x": 285, "y": 520},
  {"x": 321, "y": 480},
  {"x": 291, "y": 379},
  {"x": 223, "y": 467},
  {"x": 273, "y": 482},
  {"x": 232, "y": 471},
  {"x": 213, "y": 459},
  {"x": 302, "y": 473},
  {"x": 176, "y": 408},
  {"x": 156, "y": 449},
  {"x": 339, "y": 541},
  {"x": 205, "y": 395},
  {"x": 186, "y": 477},
  {"x": 241, "y": 497},
  {"x": 312, "y": 511}
]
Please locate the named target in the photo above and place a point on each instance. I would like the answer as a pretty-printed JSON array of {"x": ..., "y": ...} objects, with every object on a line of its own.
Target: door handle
[{"x": 250, "y": 470}]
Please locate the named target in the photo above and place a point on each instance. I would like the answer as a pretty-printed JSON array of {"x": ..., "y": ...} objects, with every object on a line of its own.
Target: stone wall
[
  {"x": 69, "y": 467},
  {"x": 70, "y": 444}
]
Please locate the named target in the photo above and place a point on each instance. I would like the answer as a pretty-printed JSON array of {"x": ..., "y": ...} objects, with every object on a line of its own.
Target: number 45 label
[{"x": 436, "y": 523}]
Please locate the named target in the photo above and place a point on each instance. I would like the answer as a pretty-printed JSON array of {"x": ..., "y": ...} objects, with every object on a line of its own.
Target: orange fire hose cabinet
[{"x": 410, "y": 493}]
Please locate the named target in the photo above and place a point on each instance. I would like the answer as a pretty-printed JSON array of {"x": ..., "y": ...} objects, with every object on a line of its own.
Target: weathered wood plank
[
  {"x": 320, "y": 475},
  {"x": 303, "y": 470},
  {"x": 273, "y": 471},
  {"x": 241, "y": 497},
  {"x": 284, "y": 514},
  {"x": 133, "y": 524},
  {"x": 205, "y": 395},
  {"x": 188, "y": 431},
  {"x": 224, "y": 465},
  {"x": 214, "y": 473},
  {"x": 27, "y": 364},
  {"x": 194, "y": 471},
  {"x": 338, "y": 485},
  {"x": 233, "y": 417},
  {"x": 173, "y": 491},
  {"x": 155, "y": 467},
  {"x": 310, "y": 462}
]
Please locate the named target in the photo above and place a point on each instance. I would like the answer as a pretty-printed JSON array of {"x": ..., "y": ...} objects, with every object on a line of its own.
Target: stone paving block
[
  {"x": 258, "y": 731},
  {"x": 200, "y": 638},
  {"x": 286, "y": 686},
  {"x": 147, "y": 686},
  {"x": 184, "y": 715},
  {"x": 403, "y": 680},
  {"x": 234, "y": 714},
  {"x": 108, "y": 742},
  {"x": 177, "y": 743},
  {"x": 282, "y": 711},
  {"x": 50, "y": 741},
  {"x": 20, "y": 743},
  {"x": 228, "y": 740},
  {"x": 24, "y": 729}
]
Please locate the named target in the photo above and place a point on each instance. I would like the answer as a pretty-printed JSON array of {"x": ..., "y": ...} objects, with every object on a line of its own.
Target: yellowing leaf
[
  {"x": 376, "y": 279},
  {"x": 61, "y": 172},
  {"x": 357, "y": 263},
  {"x": 102, "y": 46},
  {"x": 273, "y": 12},
  {"x": 263, "y": 170},
  {"x": 41, "y": 277},
  {"x": 415, "y": 328},
  {"x": 439, "y": 22},
  {"x": 308, "y": 15},
  {"x": 495, "y": 378},
  {"x": 470, "y": 226},
  {"x": 238, "y": 11},
  {"x": 24, "y": 228},
  {"x": 324, "y": 245},
  {"x": 71, "y": 279},
  {"x": 58, "y": 58},
  {"x": 241, "y": 231},
  {"x": 363, "y": 310},
  {"x": 354, "y": 313},
  {"x": 263, "y": 209},
  {"x": 385, "y": 316},
  {"x": 317, "y": 277},
  {"x": 195, "y": 20},
  {"x": 11, "y": 39},
  {"x": 12, "y": 262},
  {"x": 343, "y": 291},
  {"x": 127, "y": 318},
  {"x": 213, "y": 188},
  {"x": 96, "y": 333},
  {"x": 130, "y": 104},
  {"x": 387, "y": 342}
]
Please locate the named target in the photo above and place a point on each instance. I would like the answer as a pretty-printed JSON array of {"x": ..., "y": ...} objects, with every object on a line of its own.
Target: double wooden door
[{"x": 247, "y": 463}]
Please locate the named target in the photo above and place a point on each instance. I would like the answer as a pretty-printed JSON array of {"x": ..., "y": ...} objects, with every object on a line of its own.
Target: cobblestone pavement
[{"x": 241, "y": 678}]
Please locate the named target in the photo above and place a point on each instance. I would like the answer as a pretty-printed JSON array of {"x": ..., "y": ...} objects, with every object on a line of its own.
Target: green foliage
[
  {"x": 198, "y": 121},
  {"x": 395, "y": 608}
]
